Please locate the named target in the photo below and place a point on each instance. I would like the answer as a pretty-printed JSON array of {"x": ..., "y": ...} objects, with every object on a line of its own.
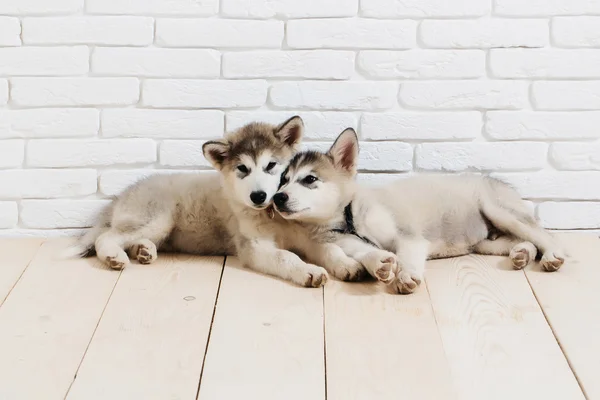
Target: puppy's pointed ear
[
  {"x": 216, "y": 152},
  {"x": 291, "y": 131},
  {"x": 345, "y": 151}
]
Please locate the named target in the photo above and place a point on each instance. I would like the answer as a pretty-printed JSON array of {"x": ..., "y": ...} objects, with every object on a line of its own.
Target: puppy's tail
[{"x": 84, "y": 246}]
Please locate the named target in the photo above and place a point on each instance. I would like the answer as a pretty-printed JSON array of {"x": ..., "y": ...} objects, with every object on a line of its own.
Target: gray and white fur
[{"x": 412, "y": 219}]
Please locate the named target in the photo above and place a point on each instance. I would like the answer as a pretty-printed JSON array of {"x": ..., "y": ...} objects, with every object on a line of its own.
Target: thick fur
[
  {"x": 413, "y": 219},
  {"x": 215, "y": 213}
]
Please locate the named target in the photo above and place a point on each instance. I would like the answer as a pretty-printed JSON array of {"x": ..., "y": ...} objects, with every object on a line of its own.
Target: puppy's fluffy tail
[{"x": 84, "y": 246}]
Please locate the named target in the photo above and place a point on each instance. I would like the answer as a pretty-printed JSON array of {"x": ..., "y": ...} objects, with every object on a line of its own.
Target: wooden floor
[{"x": 191, "y": 327}]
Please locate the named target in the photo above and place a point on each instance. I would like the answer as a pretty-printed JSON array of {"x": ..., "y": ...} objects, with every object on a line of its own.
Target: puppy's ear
[
  {"x": 216, "y": 152},
  {"x": 291, "y": 131},
  {"x": 345, "y": 151}
]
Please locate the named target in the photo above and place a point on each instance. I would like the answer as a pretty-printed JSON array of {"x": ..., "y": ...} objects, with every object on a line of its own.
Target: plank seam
[
  {"x": 22, "y": 273},
  {"x": 555, "y": 336},
  {"x": 93, "y": 333},
  {"x": 324, "y": 342},
  {"x": 212, "y": 320}
]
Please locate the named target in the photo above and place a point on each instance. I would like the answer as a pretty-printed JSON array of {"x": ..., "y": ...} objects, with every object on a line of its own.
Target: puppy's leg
[
  {"x": 262, "y": 255},
  {"x": 521, "y": 254},
  {"x": 335, "y": 260},
  {"x": 380, "y": 264},
  {"x": 110, "y": 249},
  {"x": 412, "y": 254},
  {"x": 527, "y": 229}
]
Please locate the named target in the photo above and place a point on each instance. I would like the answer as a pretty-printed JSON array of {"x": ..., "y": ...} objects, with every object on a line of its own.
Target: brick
[
  {"x": 45, "y": 184},
  {"x": 542, "y": 8},
  {"x": 40, "y": 7},
  {"x": 555, "y": 185},
  {"x": 571, "y": 215},
  {"x": 81, "y": 153},
  {"x": 12, "y": 153},
  {"x": 381, "y": 156},
  {"x": 465, "y": 94},
  {"x": 318, "y": 125},
  {"x": 153, "y": 7},
  {"x": 288, "y": 8},
  {"x": 424, "y": 8},
  {"x": 118, "y": 31},
  {"x": 53, "y": 214},
  {"x": 377, "y": 179},
  {"x": 9, "y": 214},
  {"x": 219, "y": 33},
  {"x": 169, "y": 93},
  {"x": 10, "y": 31},
  {"x": 74, "y": 91},
  {"x": 182, "y": 153},
  {"x": 113, "y": 182},
  {"x": 132, "y": 122},
  {"x": 41, "y": 233},
  {"x": 563, "y": 95},
  {"x": 315, "y": 64},
  {"x": 421, "y": 125},
  {"x": 544, "y": 63},
  {"x": 539, "y": 125},
  {"x": 3, "y": 91},
  {"x": 422, "y": 64},
  {"x": 155, "y": 62},
  {"x": 334, "y": 95},
  {"x": 481, "y": 156},
  {"x": 576, "y": 156},
  {"x": 484, "y": 33},
  {"x": 46, "y": 61},
  {"x": 576, "y": 31},
  {"x": 49, "y": 122},
  {"x": 350, "y": 33}
]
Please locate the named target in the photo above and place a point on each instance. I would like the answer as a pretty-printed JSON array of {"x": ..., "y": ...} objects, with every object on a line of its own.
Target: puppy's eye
[
  {"x": 309, "y": 179},
  {"x": 270, "y": 166},
  {"x": 243, "y": 169}
]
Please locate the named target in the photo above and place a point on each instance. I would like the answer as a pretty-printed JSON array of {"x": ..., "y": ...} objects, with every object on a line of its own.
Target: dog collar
[{"x": 349, "y": 227}]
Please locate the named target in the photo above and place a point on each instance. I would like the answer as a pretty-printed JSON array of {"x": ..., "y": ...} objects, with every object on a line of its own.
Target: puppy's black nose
[
  {"x": 258, "y": 197},
  {"x": 280, "y": 199}
]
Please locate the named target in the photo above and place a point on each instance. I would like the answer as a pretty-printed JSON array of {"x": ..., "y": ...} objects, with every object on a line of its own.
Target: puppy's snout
[
  {"x": 258, "y": 197},
  {"x": 280, "y": 199}
]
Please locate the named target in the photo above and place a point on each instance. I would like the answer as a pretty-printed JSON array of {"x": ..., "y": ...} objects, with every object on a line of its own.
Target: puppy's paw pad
[
  {"x": 146, "y": 255},
  {"x": 552, "y": 261},
  {"x": 385, "y": 272},
  {"x": 315, "y": 278},
  {"x": 116, "y": 262},
  {"x": 405, "y": 283},
  {"x": 520, "y": 258}
]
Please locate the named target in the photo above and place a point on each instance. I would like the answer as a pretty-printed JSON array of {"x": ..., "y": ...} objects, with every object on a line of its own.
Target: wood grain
[
  {"x": 15, "y": 255},
  {"x": 382, "y": 346},
  {"x": 47, "y": 321},
  {"x": 151, "y": 341},
  {"x": 498, "y": 343},
  {"x": 266, "y": 341},
  {"x": 570, "y": 299}
]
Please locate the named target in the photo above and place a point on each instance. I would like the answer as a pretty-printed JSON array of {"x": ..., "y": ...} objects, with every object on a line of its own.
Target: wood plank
[
  {"x": 570, "y": 299},
  {"x": 47, "y": 321},
  {"x": 15, "y": 256},
  {"x": 266, "y": 341},
  {"x": 151, "y": 341},
  {"x": 496, "y": 338},
  {"x": 383, "y": 346}
]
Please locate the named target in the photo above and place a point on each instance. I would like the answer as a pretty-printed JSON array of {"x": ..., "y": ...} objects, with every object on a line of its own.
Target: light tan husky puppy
[
  {"x": 393, "y": 229},
  {"x": 214, "y": 214}
]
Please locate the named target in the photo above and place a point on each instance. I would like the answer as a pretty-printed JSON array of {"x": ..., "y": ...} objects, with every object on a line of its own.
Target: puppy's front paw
[
  {"x": 349, "y": 270},
  {"x": 313, "y": 276},
  {"x": 552, "y": 261},
  {"x": 405, "y": 282},
  {"x": 119, "y": 261}
]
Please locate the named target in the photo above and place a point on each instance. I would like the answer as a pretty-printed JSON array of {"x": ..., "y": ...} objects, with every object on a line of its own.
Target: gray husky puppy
[
  {"x": 219, "y": 214},
  {"x": 393, "y": 229}
]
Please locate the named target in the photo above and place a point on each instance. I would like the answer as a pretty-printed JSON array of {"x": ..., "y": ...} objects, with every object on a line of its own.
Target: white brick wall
[{"x": 96, "y": 94}]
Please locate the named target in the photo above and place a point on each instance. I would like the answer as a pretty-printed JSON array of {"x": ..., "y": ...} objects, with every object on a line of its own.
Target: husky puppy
[
  {"x": 393, "y": 229},
  {"x": 218, "y": 214}
]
